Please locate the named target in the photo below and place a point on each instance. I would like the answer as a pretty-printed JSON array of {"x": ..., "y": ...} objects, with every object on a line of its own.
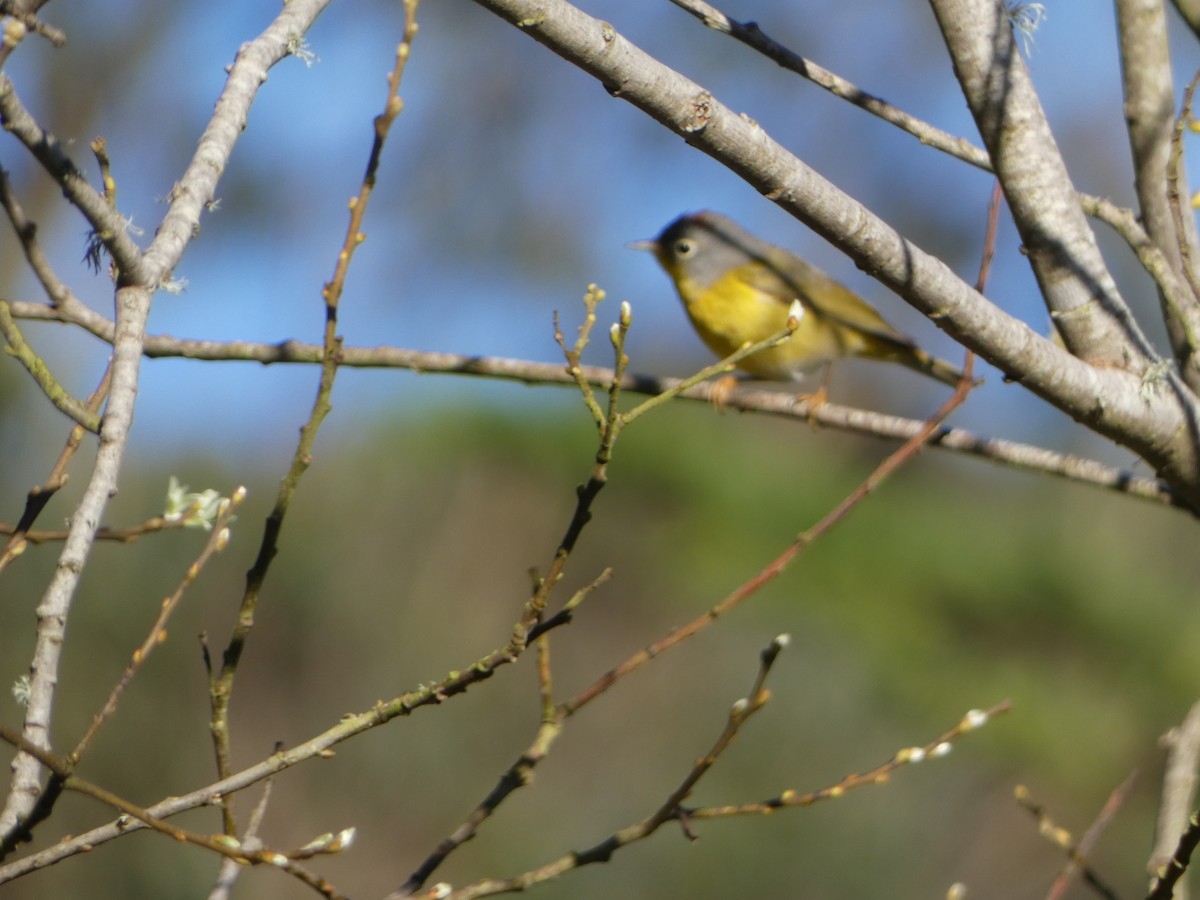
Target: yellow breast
[{"x": 730, "y": 313}]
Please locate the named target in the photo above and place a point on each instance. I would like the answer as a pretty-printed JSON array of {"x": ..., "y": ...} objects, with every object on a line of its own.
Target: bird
[{"x": 738, "y": 289}]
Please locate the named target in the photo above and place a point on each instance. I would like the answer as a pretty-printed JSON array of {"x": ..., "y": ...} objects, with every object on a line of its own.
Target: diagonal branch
[
  {"x": 1139, "y": 405},
  {"x": 54, "y": 390},
  {"x": 1150, "y": 114},
  {"x": 454, "y": 684},
  {"x": 106, "y": 222},
  {"x": 140, "y": 277},
  {"x": 221, "y": 684},
  {"x": 776, "y": 567},
  {"x": 752, "y": 36},
  {"x": 748, "y": 398},
  {"x": 1122, "y": 219},
  {"x": 1062, "y": 250},
  {"x": 20, "y": 535},
  {"x": 603, "y": 851},
  {"x": 1166, "y": 879},
  {"x": 1178, "y": 791}
]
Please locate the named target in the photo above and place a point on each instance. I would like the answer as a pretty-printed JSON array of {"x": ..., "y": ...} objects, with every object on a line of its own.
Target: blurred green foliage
[
  {"x": 953, "y": 586},
  {"x": 406, "y": 553}
]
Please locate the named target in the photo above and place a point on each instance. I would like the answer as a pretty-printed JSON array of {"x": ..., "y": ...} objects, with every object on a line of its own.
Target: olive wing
[{"x": 788, "y": 278}]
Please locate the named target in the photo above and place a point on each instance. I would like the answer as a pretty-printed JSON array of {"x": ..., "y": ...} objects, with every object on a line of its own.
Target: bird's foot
[
  {"x": 719, "y": 391},
  {"x": 813, "y": 401}
]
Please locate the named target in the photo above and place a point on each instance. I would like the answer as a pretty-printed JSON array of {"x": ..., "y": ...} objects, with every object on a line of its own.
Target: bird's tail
[{"x": 920, "y": 361}]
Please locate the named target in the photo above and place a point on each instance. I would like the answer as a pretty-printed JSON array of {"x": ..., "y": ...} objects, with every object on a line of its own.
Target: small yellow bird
[{"x": 738, "y": 289}]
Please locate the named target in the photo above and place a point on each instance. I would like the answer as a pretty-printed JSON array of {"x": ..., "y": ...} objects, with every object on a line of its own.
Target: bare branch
[
  {"x": 216, "y": 542},
  {"x": 42, "y": 376},
  {"x": 747, "y": 398},
  {"x": 434, "y": 694},
  {"x": 1076, "y": 284},
  {"x": 603, "y": 851},
  {"x": 140, "y": 278},
  {"x": 1178, "y": 793},
  {"x": 906, "y": 756},
  {"x": 221, "y": 683},
  {"x": 60, "y": 295},
  {"x": 1083, "y": 850},
  {"x": 1150, "y": 114},
  {"x": 1168, "y": 877},
  {"x": 1062, "y": 839},
  {"x": 752, "y": 36},
  {"x": 106, "y": 222},
  {"x": 1136, "y": 403}
]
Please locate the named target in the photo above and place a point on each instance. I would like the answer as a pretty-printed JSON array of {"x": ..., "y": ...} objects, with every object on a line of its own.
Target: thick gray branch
[
  {"x": 1146, "y": 409},
  {"x": 140, "y": 276},
  {"x": 1075, "y": 282},
  {"x": 1150, "y": 114}
]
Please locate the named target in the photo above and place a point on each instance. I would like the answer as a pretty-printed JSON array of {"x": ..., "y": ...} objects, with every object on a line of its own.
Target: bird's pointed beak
[{"x": 649, "y": 244}]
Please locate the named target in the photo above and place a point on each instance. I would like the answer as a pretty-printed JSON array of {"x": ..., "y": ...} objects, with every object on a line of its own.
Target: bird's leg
[
  {"x": 721, "y": 388},
  {"x": 818, "y": 398}
]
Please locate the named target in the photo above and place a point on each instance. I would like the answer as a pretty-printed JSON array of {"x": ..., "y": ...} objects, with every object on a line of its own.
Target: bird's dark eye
[{"x": 684, "y": 247}]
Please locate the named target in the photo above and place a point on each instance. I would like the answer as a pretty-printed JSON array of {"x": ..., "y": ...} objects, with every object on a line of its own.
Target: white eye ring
[{"x": 684, "y": 247}]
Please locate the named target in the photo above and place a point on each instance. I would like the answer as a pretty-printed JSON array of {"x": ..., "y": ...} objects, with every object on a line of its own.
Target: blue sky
[{"x": 510, "y": 182}]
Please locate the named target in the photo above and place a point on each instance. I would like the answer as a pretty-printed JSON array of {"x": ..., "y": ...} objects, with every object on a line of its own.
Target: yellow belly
[{"x": 729, "y": 314}]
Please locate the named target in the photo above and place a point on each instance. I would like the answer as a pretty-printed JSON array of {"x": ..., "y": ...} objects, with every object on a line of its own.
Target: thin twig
[
  {"x": 574, "y": 354},
  {"x": 724, "y": 366},
  {"x": 20, "y": 535},
  {"x": 1115, "y": 801},
  {"x": 230, "y": 869},
  {"x": 776, "y": 567},
  {"x": 752, "y": 36},
  {"x": 603, "y": 851},
  {"x": 1166, "y": 880},
  {"x": 1177, "y": 203},
  {"x": 1063, "y": 839},
  {"x": 745, "y": 398},
  {"x": 221, "y": 685},
  {"x": 1178, "y": 792},
  {"x": 452, "y": 685},
  {"x": 65, "y": 303},
  {"x": 564, "y": 615},
  {"x": 739, "y": 713},
  {"x": 44, "y": 378},
  {"x": 158, "y": 631},
  {"x": 126, "y": 535},
  {"x": 934, "y": 749},
  {"x": 989, "y": 238}
]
